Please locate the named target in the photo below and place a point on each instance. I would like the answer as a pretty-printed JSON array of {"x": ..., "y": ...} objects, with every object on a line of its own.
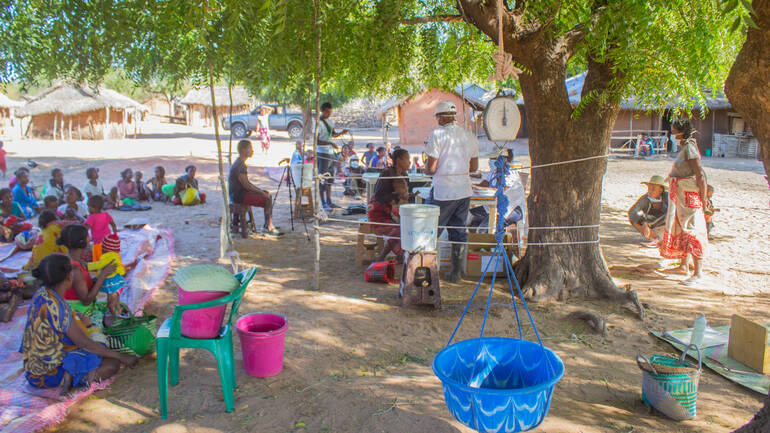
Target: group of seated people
[
  {"x": 22, "y": 201},
  {"x": 73, "y": 260}
]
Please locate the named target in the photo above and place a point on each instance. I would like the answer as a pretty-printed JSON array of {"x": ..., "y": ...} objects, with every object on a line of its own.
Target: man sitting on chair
[{"x": 243, "y": 192}]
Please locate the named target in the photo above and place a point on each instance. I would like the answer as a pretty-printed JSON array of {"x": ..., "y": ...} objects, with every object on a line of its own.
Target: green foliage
[{"x": 659, "y": 51}]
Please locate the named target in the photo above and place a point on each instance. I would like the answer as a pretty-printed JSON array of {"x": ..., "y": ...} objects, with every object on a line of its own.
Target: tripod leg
[{"x": 290, "y": 186}]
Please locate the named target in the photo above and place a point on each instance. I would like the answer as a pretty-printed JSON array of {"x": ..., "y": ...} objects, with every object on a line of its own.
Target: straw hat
[
  {"x": 656, "y": 180},
  {"x": 446, "y": 108}
]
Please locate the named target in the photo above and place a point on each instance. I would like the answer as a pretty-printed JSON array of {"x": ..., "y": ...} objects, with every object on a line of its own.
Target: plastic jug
[{"x": 698, "y": 331}]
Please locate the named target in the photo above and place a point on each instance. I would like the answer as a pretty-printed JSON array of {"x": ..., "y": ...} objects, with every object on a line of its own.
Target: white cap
[{"x": 445, "y": 107}]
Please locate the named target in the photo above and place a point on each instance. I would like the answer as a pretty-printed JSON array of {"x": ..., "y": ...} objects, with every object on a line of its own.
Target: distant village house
[
  {"x": 198, "y": 104},
  {"x": 73, "y": 113}
]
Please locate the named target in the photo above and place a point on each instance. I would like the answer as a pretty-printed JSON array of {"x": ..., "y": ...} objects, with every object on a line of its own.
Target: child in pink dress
[{"x": 100, "y": 223}]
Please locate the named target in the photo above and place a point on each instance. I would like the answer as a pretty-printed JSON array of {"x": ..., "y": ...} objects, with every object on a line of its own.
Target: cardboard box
[
  {"x": 479, "y": 255},
  {"x": 749, "y": 343}
]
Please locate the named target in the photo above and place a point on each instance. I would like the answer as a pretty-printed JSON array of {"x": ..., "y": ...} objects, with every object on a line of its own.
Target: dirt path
[{"x": 355, "y": 361}]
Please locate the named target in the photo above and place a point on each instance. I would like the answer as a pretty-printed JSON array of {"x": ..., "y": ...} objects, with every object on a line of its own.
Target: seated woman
[
  {"x": 24, "y": 195},
  {"x": 156, "y": 183},
  {"x": 56, "y": 349},
  {"x": 191, "y": 182},
  {"x": 55, "y": 185},
  {"x": 74, "y": 209},
  {"x": 127, "y": 187},
  {"x": 12, "y": 217},
  {"x": 388, "y": 193},
  {"x": 514, "y": 190},
  {"x": 84, "y": 289}
]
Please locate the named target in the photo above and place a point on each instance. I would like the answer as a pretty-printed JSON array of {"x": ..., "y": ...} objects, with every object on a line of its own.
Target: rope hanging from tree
[{"x": 504, "y": 67}]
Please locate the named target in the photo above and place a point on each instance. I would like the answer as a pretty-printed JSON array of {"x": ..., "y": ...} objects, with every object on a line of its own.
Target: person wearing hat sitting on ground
[
  {"x": 114, "y": 282},
  {"x": 453, "y": 153},
  {"x": 648, "y": 214}
]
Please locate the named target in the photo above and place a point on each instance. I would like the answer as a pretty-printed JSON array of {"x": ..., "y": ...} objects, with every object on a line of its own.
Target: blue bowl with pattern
[{"x": 495, "y": 384}]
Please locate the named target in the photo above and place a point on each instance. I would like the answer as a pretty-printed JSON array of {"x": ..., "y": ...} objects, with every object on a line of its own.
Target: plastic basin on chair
[
  {"x": 205, "y": 322},
  {"x": 514, "y": 382}
]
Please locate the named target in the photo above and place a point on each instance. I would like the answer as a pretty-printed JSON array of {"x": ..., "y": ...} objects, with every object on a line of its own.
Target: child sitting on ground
[
  {"x": 113, "y": 199},
  {"x": 141, "y": 188},
  {"x": 179, "y": 187},
  {"x": 115, "y": 282},
  {"x": 709, "y": 211},
  {"x": 94, "y": 185},
  {"x": 100, "y": 223},
  {"x": 51, "y": 203},
  {"x": 74, "y": 209},
  {"x": 192, "y": 182},
  {"x": 156, "y": 184},
  {"x": 46, "y": 240}
]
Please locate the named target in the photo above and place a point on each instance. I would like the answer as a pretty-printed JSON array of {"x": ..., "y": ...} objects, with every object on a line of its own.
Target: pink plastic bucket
[
  {"x": 262, "y": 336},
  {"x": 204, "y": 323}
]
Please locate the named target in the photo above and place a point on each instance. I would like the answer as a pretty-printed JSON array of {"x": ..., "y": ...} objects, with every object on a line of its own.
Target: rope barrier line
[
  {"x": 549, "y": 164},
  {"x": 337, "y": 230},
  {"x": 460, "y": 227}
]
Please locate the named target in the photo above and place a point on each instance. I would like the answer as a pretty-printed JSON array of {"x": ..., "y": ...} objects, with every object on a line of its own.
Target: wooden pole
[
  {"x": 69, "y": 128},
  {"x": 106, "y": 124},
  {"x": 230, "y": 147},
  {"x": 226, "y": 241},
  {"x": 316, "y": 233},
  {"x": 55, "y": 124}
]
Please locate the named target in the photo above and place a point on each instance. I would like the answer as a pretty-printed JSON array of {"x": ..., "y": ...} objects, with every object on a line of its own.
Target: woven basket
[
  {"x": 135, "y": 335},
  {"x": 670, "y": 385}
]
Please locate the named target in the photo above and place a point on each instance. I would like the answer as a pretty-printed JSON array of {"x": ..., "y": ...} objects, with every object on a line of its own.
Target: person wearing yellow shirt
[
  {"x": 114, "y": 282},
  {"x": 46, "y": 241}
]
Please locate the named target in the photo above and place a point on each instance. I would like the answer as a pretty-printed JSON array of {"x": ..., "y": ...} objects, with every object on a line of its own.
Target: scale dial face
[{"x": 502, "y": 119}]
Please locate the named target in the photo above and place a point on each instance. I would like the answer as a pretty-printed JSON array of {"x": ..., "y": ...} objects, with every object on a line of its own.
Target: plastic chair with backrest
[{"x": 170, "y": 340}]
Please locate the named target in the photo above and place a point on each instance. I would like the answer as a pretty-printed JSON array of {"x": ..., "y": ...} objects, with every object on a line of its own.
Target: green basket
[
  {"x": 670, "y": 385},
  {"x": 134, "y": 335}
]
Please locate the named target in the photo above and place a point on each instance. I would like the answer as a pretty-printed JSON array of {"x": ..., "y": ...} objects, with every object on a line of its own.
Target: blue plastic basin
[{"x": 514, "y": 382}]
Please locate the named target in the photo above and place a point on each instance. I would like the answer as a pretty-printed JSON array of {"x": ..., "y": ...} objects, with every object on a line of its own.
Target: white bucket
[
  {"x": 305, "y": 173},
  {"x": 419, "y": 226}
]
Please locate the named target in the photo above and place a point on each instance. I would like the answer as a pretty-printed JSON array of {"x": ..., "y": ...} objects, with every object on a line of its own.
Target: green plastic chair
[{"x": 170, "y": 340}]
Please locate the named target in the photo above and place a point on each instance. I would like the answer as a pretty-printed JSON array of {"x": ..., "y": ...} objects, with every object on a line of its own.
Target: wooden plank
[{"x": 748, "y": 344}]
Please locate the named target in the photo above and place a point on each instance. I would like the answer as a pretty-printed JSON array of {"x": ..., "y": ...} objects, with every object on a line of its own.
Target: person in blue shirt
[
  {"x": 381, "y": 160},
  {"x": 23, "y": 195},
  {"x": 369, "y": 154}
]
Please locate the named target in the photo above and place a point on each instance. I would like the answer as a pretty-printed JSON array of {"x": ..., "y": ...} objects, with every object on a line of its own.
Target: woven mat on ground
[
  {"x": 714, "y": 352},
  {"x": 25, "y": 409}
]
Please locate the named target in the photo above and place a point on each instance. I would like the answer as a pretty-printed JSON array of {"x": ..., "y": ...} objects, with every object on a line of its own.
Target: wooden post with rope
[{"x": 316, "y": 232}]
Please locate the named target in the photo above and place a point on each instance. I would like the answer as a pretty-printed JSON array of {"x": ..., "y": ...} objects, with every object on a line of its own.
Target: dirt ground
[{"x": 357, "y": 362}]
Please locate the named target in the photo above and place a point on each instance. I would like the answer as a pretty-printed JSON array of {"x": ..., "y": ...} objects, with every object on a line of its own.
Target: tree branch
[{"x": 446, "y": 18}]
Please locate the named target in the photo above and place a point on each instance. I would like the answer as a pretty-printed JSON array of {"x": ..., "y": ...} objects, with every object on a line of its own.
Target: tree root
[{"x": 593, "y": 320}]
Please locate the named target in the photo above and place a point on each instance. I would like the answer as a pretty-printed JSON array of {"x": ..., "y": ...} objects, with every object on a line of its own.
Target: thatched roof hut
[
  {"x": 7, "y": 107},
  {"x": 85, "y": 109},
  {"x": 198, "y": 103}
]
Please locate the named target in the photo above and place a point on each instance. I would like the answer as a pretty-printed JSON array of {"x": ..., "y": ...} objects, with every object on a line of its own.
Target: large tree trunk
[
  {"x": 747, "y": 84},
  {"x": 567, "y": 194},
  {"x": 761, "y": 421},
  {"x": 746, "y": 88}
]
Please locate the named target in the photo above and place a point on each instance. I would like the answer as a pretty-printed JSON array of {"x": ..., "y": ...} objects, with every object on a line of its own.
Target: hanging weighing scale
[{"x": 496, "y": 384}]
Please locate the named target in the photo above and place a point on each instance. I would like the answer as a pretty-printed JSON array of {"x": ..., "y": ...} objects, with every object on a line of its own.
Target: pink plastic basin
[
  {"x": 262, "y": 336},
  {"x": 203, "y": 323}
]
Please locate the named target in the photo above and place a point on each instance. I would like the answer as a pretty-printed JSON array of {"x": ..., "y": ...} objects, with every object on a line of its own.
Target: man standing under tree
[
  {"x": 325, "y": 157},
  {"x": 453, "y": 153}
]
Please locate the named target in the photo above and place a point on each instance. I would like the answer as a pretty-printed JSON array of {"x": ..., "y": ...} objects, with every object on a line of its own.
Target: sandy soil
[{"x": 356, "y": 361}]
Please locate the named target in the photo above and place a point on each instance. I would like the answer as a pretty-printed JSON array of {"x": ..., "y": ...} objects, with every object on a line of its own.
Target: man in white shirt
[
  {"x": 325, "y": 157},
  {"x": 453, "y": 153}
]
